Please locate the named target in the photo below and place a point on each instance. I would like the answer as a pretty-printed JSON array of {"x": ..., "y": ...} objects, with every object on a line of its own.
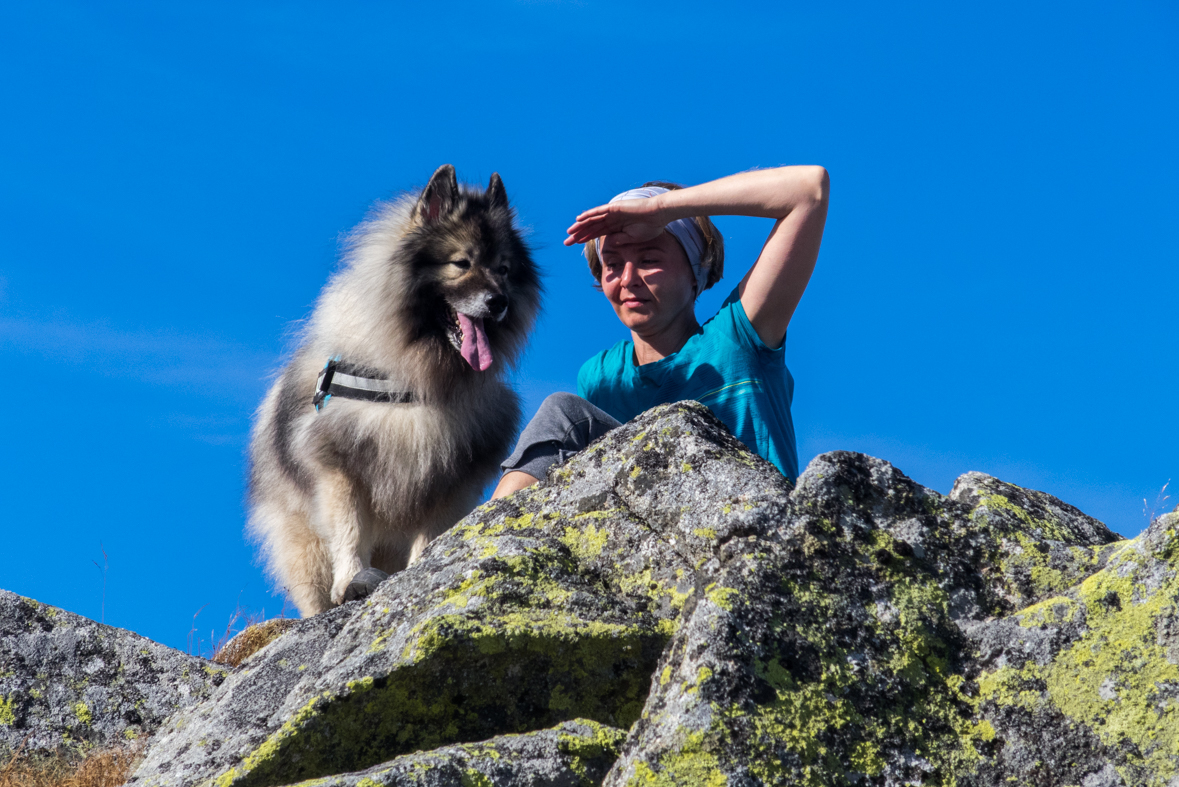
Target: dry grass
[
  {"x": 232, "y": 651},
  {"x": 1160, "y": 504},
  {"x": 239, "y": 622},
  {"x": 108, "y": 768}
]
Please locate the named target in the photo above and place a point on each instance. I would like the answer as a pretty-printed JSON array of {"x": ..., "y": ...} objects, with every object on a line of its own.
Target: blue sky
[{"x": 996, "y": 289}]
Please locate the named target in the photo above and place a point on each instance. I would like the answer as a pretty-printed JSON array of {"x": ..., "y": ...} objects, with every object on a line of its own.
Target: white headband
[{"x": 686, "y": 231}]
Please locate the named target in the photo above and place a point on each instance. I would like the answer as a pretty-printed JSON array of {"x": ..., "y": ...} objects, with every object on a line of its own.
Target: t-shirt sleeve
[
  {"x": 589, "y": 377},
  {"x": 734, "y": 322}
]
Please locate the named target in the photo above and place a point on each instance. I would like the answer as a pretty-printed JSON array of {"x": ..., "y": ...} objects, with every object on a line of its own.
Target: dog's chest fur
[{"x": 407, "y": 455}]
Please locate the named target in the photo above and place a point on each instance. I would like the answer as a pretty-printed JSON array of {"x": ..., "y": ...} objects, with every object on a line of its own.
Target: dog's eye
[
  {"x": 502, "y": 270},
  {"x": 461, "y": 263}
]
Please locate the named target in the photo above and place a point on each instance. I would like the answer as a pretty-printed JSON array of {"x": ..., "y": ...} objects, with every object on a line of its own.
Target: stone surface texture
[
  {"x": 69, "y": 685},
  {"x": 667, "y": 609},
  {"x": 572, "y": 754}
]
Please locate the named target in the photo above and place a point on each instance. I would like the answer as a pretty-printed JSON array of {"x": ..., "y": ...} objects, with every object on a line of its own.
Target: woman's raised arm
[{"x": 795, "y": 196}]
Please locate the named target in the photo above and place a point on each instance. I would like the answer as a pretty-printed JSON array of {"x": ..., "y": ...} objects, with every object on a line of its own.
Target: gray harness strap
[{"x": 341, "y": 379}]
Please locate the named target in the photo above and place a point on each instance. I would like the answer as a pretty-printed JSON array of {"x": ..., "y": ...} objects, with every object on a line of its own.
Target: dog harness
[{"x": 343, "y": 380}]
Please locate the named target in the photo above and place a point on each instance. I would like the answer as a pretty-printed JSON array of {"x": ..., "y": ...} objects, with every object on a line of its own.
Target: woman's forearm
[
  {"x": 766, "y": 193},
  {"x": 796, "y": 197}
]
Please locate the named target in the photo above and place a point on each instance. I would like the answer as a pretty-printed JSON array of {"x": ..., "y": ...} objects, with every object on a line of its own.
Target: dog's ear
[
  {"x": 495, "y": 192},
  {"x": 439, "y": 196}
]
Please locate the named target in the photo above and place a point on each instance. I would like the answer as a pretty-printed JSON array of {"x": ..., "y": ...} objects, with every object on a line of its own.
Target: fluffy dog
[{"x": 433, "y": 303}]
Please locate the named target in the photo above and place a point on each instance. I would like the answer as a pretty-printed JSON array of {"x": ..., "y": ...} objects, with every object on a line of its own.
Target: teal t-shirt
[{"x": 726, "y": 367}]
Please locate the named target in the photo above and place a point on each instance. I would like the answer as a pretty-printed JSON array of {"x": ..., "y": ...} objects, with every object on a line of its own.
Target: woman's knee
[
  {"x": 563, "y": 402},
  {"x": 565, "y": 422}
]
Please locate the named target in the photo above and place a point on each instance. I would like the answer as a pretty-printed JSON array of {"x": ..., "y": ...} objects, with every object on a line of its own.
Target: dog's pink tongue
[{"x": 475, "y": 350}]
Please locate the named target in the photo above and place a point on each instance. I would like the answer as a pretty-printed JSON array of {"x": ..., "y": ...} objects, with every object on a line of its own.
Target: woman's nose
[{"x": 628, "y": 274}]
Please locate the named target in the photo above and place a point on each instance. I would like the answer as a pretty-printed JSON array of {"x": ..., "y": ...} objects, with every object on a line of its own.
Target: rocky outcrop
[
  {"x": 552, "y": 605},
  {"x": 69, "y": 685},
  {"x": 1083, "y": 686},
  {"x": 847, "y": 650},
  {"x": 670, "y": 586},
  {"x": 667, "y": 609}
]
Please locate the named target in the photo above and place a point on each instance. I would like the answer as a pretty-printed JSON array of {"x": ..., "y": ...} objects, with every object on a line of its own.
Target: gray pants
[{"x": 564, "y": 425}]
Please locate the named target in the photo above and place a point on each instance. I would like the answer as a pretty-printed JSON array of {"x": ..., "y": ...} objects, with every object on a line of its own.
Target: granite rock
[
  {"x": 847, "y": 648},
  {"x": 667, "y": 609},
  {"x": 69, "y": 685},
  {"x": 548, "y": 606}
]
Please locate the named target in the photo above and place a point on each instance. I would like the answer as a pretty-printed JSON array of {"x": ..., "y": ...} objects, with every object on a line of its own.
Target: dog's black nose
[{"x": 496, "y": 304}]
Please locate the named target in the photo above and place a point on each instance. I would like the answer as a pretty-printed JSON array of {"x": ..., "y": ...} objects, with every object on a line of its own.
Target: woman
[{"x": 653, "y": 251}]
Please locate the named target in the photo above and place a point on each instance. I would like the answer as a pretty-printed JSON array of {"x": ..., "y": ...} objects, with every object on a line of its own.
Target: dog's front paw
[
  {"x": 339, "y": 589},
  {"x": 363, "y": 584}
]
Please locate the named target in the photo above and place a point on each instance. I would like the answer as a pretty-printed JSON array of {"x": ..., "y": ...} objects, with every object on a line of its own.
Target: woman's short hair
[{"x": 713, "y": 258}]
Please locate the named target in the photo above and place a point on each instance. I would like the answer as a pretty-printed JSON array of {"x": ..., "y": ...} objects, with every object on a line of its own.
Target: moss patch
[
  {"x": 831, "y": 723},
  {"x": 1115, "y": 678},
  {"x": 602, "y": 742},
  {"x": 691, "y": 764},
  {"x": 586, "y": 543},
  {"x": 518, "y": 660},
  {"x": 859, "y": 665},
  {"x": 1044, "y": 528},
  {"x": 7, "y": 711}
]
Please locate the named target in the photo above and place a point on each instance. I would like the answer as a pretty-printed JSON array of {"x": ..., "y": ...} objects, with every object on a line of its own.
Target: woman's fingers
[
  {"x": 636, "y": 218},
  {"x": 632, "y": 230},
  {"x": 598, "y": 211},
  {"x": 596, "y": 219},
  {"x": 628, "y": 207},
  {"x": 582, "y": 234},
  {"x": 593, "y": 227}
]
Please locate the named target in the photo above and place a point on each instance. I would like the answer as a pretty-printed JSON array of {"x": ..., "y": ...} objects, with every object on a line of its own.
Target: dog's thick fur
[{"x": 361, "y": 483}]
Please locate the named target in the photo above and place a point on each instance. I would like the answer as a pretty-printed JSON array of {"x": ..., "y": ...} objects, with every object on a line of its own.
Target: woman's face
[{"x": 649, "y": 283}]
